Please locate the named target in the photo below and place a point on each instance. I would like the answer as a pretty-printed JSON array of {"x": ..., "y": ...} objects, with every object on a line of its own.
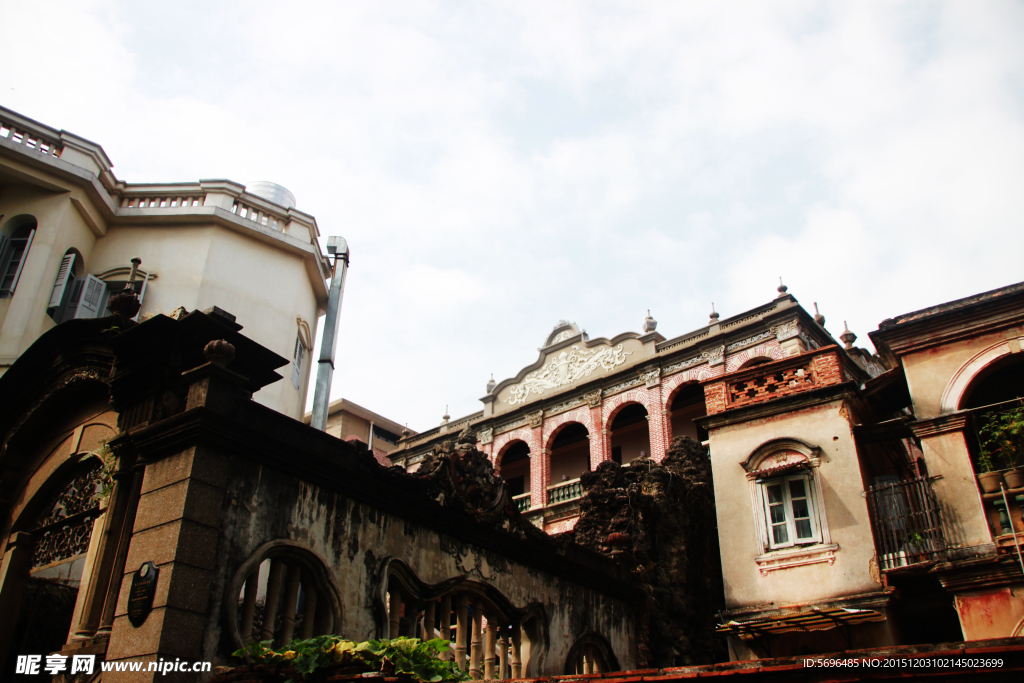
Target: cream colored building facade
[{"x": 70, "y": 229}]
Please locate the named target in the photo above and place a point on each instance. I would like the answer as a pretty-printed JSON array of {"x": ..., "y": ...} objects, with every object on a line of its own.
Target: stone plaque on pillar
[{"x": 140, "y": 598}]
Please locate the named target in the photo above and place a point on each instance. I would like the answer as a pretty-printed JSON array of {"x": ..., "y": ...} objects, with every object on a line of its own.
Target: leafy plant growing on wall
[
  {"x": 409, "y": 656},
  {"x": 1002, "y": 439}
]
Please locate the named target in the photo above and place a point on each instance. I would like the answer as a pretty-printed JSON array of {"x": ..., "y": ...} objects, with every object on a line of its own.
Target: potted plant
[
  {"x": 1002, "y": 440},
  {"x": 989, "y": 477}
]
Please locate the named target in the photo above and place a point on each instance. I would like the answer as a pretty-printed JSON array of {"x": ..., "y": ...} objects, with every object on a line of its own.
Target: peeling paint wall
[{"x": 357, "y": 542}]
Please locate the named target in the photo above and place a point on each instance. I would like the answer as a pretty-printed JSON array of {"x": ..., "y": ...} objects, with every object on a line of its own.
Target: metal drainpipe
[
  {"x": 370, "y": 445},
  {"x": 338, "y": 247}
]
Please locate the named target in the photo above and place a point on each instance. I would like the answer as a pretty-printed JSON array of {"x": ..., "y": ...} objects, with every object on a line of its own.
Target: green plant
[
  {"x": 410, "y": 656},
  {"x": 106, "y": 471},
  {"x": 1002, "y": 439}
]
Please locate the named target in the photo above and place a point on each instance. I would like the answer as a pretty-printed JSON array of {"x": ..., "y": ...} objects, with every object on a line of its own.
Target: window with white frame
[
  {"x": 75, "y": 296},
  {"x": 297, "y": 356},
  {"x": 15, "y": 242},
  {"x": 303, "y": 344},
  {"x": 790, "y": 515},
  {"x": 789, "y": 511}
]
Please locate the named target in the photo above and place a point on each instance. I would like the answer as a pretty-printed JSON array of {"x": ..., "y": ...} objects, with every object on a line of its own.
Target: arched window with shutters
[{"x": 15, "y": 242}]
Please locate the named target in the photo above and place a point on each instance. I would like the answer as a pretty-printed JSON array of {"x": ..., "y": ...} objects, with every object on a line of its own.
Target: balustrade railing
[
  {"x": 30, "y": 139},
  {"x": 243, "y": 210},
  {"x": 569, "y": 490},
  {"x": 522, "y": 501},
  {"x": 162, "y": 201}
]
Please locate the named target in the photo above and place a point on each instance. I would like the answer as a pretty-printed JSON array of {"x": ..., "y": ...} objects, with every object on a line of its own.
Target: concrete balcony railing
[
  {"x": 176, "y": 199},
  {"x": 569, "y": 490},
  {"x": 522, "y": 501},
  {"x": 30, "y": 135}
]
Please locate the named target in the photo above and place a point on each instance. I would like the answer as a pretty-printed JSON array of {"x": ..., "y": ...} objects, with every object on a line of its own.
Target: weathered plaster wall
[
  {"x": 828, "y": 427},
  {"x": 357, "y": 541}
]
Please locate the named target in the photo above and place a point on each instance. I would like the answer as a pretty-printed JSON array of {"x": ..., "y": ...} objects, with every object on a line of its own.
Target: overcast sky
[{"x": 499, "y": 166}]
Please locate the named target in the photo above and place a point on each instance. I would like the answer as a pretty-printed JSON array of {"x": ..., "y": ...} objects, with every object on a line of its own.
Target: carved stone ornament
[
  {"x": 536, "y": 419},
  {"x": 743, "y": 343},
  {"x": 652, "y": 378},
  {"x": 567, "y": 367},
  {"x": 460, "y": 476},
  {"x": 593, "y": 399},
  {"x": 715, "y": 356},
  {"x": 786, "y": 330},
  {"x": 486, "y": 435}
]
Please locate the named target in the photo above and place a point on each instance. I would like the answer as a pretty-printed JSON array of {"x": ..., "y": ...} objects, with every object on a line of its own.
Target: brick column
[
  {"x": 540, "y": 468},
  {"x": 656, "y": 424},
  {"x": 599, "y": 450}
]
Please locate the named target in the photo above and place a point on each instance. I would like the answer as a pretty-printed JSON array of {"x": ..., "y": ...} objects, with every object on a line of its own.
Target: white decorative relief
[
  {"x": 569, "y": 366},
  {"x": 652, "y": 378},
  {"x": 563, "y": 335},
  {"x": 743, "y": 343},
  {"x": 786, "y": 330}
]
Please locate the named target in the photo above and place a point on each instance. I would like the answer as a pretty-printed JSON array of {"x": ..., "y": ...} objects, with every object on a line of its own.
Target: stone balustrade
[
  {"x": 569, "y": 490},
  {"x": 25, "y": 135}
]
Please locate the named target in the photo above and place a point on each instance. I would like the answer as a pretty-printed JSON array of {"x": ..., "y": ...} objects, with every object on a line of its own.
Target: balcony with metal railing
[
  {"x": 995, "y": 437},
  {"x": 906, "y": 523}
]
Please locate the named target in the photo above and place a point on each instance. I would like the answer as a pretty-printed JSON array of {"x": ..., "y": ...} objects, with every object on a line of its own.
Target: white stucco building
[{"x": 69, "y": 230}]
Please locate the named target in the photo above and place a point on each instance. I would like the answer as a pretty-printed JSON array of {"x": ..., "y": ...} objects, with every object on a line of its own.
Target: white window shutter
[
  {"x": 297, "y": 362},
  {"x": 63, "y": 277},
  {"x": 21, "y": 263},
  {"x": 92, "y": 297}
]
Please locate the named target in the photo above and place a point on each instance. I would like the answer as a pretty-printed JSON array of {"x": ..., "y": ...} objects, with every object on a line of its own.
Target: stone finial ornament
[
  {"x": 126, "y": 302},
  {"x": 491, "y": 384},
  {"x": 650, "y": 324},
  {"x": 714, "y": 315},
  {"x": 446, "y": 416},
  {"x": 847, "y": 337},
  {"x": 782, "y": 289},
  {"x": 219, "y": 352},
  {"x": 818, "y": 317}
]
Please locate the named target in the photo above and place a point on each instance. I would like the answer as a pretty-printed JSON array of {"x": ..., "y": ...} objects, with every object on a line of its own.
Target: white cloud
[{"x": 497, "y": 167}]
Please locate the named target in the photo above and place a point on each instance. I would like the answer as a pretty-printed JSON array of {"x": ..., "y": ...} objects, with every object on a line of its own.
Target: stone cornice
[{"x": 942, "y": 424}]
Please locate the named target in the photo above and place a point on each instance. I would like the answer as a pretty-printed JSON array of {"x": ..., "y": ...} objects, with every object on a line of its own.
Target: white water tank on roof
[{"x": 272, "y": 192}]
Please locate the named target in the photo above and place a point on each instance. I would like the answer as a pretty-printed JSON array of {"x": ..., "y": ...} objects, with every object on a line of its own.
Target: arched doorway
[
  {"x": 514, "y": 469},
  {"x": 686, "y": 407},
  {"x": 570, "y": 458},
  {"x": 630, "y": 434}
]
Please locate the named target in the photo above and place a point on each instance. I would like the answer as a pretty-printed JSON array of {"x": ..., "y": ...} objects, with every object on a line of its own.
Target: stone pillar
[
  {"x": 445, "y": 621},
  {"x": 252, "y": 586},
  {"x": 428, "y": 620},
  {"x": 291, "y": 602},
  {"x": 503, "y": 673},
  {"x": 462, "y": 630},
  {"x": 953, "y": 480},
  {"x": 272, "y": 599},
  {"x": 476, "y": 649},
  {"x": 394, "y": 611},
  {"x": 489, "y": 643},
  {"x": 309, "y": 608},
  {"x": 517, "y": 658},
  {"x": 17, "y": 562}
]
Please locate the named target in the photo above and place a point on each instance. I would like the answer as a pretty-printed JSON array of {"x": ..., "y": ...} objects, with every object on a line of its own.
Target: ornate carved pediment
[{"x": 569, "y": 366}]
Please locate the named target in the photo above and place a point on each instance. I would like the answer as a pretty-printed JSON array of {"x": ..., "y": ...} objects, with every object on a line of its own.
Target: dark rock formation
[
  {"x": 659, "y": 520},
  {"x": 459, "y": 476}
]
